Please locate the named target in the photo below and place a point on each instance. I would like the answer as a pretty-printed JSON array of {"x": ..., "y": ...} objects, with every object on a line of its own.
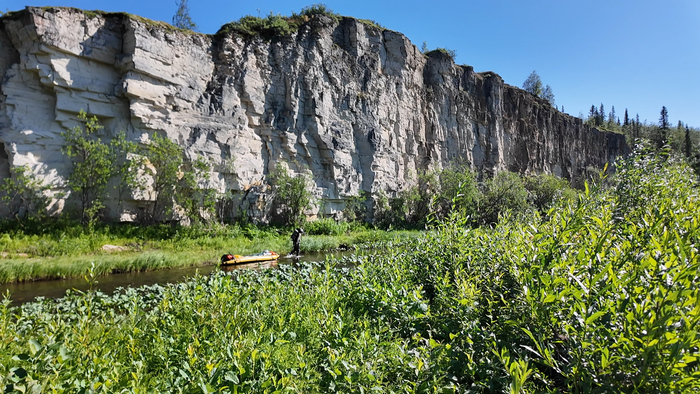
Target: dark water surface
[{"x": 28, "y": 291}]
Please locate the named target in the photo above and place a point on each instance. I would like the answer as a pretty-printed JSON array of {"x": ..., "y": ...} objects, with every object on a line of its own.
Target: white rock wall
[{"x": 355, "y": 107}]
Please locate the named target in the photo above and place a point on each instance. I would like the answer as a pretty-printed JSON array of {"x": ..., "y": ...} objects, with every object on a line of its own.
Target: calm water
[{"x": 27, "y": 291}]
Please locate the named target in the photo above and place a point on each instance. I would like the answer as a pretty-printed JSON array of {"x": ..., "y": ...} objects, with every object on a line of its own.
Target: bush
[
  {"x": 502, "y": 193},
  {"x": 23, "y": 194},
  {"x": 326, "y": 226},
  {"x": 545, "y": 190},
  {"x": 276, "y": 25},
  {"x": 290, "y": 197}
]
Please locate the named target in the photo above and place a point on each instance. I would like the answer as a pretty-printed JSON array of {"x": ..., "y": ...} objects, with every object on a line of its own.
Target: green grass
[{"x": 63, "y": 249}]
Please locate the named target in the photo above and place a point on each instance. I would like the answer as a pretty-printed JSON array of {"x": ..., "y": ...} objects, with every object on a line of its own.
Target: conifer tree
[
  {"x": 661, "y": 136},
  {"x": 182, "y": 19}
]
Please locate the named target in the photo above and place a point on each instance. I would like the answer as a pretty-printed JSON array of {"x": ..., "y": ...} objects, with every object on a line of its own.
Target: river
[{"x": 21, "y": 293}]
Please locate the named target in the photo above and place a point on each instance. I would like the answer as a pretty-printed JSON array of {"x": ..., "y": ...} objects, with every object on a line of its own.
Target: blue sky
[{"x": 634, "y": 54}]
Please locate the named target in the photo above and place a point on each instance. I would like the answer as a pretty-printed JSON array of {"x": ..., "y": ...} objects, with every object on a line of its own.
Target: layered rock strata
[{"x": 355, "y": 107}]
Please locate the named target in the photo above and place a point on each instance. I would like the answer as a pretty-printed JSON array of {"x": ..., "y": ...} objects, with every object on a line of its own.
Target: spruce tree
[
  {"x": 662, "y": 133},
  {"x": 182, "y": 19}
]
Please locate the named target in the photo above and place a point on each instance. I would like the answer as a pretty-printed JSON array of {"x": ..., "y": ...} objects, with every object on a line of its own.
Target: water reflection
[{"x": 28, "y": 291}]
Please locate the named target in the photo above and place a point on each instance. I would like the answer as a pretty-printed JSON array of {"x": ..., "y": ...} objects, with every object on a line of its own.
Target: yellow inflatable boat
[{"x": 268, "y": 255}]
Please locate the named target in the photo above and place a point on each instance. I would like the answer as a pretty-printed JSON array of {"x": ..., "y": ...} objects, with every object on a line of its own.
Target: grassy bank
[
  {"x": 61, "y": 250},
  {"x": 601, "y": 295}
]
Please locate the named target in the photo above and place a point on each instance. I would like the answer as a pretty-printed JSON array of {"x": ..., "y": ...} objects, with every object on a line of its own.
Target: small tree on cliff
[
  {"x": 182, "y": 19},
  {"x": 533, "y": 85}
]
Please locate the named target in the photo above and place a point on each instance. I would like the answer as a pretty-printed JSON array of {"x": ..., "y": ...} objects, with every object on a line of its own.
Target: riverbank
[{"x": 57, "y": 252}]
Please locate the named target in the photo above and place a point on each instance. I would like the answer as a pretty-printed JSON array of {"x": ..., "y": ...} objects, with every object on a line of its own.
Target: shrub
[
  {"x": 459, "y": 190},
  {"x": 545, "y": 190},
  {"x": 173, "y": 180},
  {"x": 290, "y": 197},
  {"x": 326, "y": 226},
  {"x": 23, "y": 194},
  {"x": 275, "y": 25},
  {"x": 449, "y": 53},
  {"x": 93, "y": 165},
  {"x": 502, "y": 193}
]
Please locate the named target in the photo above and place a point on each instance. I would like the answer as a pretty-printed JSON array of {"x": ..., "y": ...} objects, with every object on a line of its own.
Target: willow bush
[{"x": 600, "y": 294}]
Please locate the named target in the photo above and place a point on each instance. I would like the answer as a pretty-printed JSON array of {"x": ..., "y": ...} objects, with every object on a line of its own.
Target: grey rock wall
[{"x": 354, "y": 107}]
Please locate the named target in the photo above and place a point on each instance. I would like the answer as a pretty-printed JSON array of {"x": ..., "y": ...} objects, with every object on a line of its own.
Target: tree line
[{"x": 681, "y": 138}]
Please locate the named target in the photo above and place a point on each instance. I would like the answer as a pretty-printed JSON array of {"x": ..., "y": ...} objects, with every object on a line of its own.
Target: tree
[
  {"x": 182, "y": 19},
  {"x": 502, "y": 193},
  {"x": 93, "y": 166},
  {"x": 548, "y": 95},
  {"x": 627, "y": 118},
  {"x": 533, "y": 84},
  {"x": 175, "y": 181},
  {"x": 290, "y": 196},
  {"x": 688, "y": 143},
  {"x": 612, "y": 117},
  {"x": 424, "y": 48},
  {"x": 661, "y": 137},
  {"x": 663, "y": 119}
]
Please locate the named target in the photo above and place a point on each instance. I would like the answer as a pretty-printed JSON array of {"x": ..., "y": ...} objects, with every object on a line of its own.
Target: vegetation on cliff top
[{"x": 276, "y": 25}]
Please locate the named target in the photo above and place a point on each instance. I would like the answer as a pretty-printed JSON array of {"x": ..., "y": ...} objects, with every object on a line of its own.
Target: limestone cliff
[{"x": 356, "y": 107}]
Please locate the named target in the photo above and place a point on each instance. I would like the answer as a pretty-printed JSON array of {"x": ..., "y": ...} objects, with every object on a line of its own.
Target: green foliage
[
  {"x": 600, "y": 296},
  {"x": 458, "y": 191},
  {"x": 291, "y": 197},
  {"x": 318, "y": 9},
  {"x": 276, "y": 25},
  {"x": 182, "y": 19},
  {"x": 326, "y": 226},
  {"x": 372, "y": 23},
  {"x": 533, "y": 85},
  {"x": 455, "y": 189},
  {"x": 356, "y": 208},
  {"x": 501, "y": 194},
  {"x": 193, "y": 194},
  {"x": 175, "y": 182},
  {"x": 450, "y": 53},
  {"x": 23, "y": 194},
  {"x": 93, "y": 166},
  {"x": 546, "y": 190}
]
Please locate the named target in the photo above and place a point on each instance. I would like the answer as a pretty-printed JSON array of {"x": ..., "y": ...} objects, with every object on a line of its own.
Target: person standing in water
[{"x": 296, "y": 240}]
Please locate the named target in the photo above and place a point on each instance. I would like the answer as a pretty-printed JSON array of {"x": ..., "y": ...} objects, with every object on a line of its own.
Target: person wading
[{"x": 296, "y": 240}]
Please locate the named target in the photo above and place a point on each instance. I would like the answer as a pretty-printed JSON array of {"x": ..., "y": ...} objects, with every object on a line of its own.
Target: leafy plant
[
  {"x": 290, "y": 197},
  {"x": 175, "y": 182},
  {"x": 23, "y": 194},
  {"x": 275, "y": 25},
  {"x": 502, "y": 193},
  {"x": 93, "y": 166}
]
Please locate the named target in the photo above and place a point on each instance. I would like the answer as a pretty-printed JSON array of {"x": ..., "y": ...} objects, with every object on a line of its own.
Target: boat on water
[{"x": 230, "y": 259}]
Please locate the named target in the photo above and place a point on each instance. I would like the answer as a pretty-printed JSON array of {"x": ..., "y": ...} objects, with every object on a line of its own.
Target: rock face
[{"x": 355, "y": 107}]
